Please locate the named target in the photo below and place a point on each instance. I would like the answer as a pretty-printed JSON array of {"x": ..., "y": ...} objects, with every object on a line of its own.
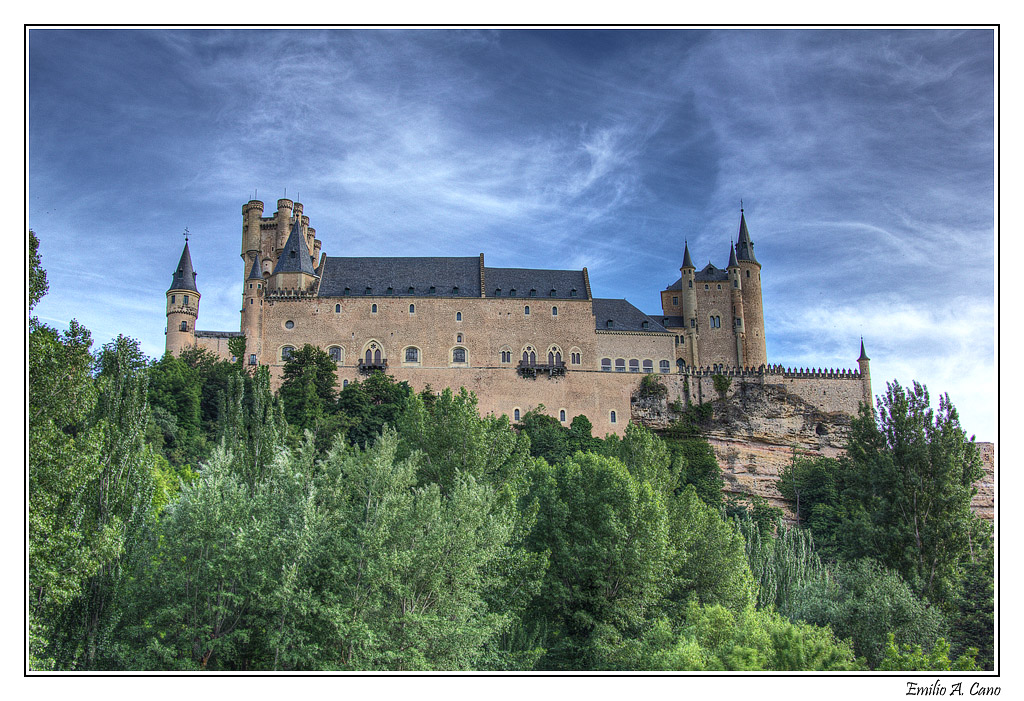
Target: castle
[{"x": 517, "y": 337}]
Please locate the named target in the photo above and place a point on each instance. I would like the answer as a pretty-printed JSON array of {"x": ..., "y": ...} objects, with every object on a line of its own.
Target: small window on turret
[
  {"x": 691, "y": 282},
  {"x": 735, "y": 283},
  {"x": 184, "y": 326},
  {"x": 185, "y": 302},
  {"x": 172, "y": 299},
  {"x": 748, "y": 273}
]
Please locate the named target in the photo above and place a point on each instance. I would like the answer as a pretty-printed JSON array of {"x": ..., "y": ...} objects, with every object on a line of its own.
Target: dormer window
[
  {"x": 572, "y": 292},
  {"x": 551, "y": 293},
  {"x": 512, "y": 292},
  {"x": 432, "y": 289},
  {"x": 348, "y": 291},
  {"x": 645, "y": 324},
  {"x": 391, "y": 291},
  {"x": 609, "y": 324},
  {"x": 368, "y": 290},
  {"x": 497, "y": 292},
  {"x": 411, "y": 290},
  {"x": 455, "y": 290},
  {"x": 291, "y": 254},
  {"x": 533, "y": 293}
]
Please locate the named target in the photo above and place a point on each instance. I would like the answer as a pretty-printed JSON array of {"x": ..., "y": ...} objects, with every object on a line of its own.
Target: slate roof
[
  {"x": 625, "y": 317},
  {"x": 184, "y": 277},
  {"x": 401, "y": 273},
  {"x": 522, "y": 280},
  {"x": 677, "y": 285},
  {"x": 295, "y": 257},
  {"x": 687, "y": 262},
  {"x": 675, "y": 322},
  {"x": 732, "y": 257},
  {"x": 711, "y": 274},
  {"x": 744, "y": 246},
  {"x": 255, "y": 274}
]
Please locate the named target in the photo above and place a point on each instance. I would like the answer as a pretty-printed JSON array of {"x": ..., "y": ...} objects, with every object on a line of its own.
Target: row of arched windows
[
  {"x": 517, "y": 415},
  {"x": 635, "y": 365},
  {"x": 412, "y": 309}
]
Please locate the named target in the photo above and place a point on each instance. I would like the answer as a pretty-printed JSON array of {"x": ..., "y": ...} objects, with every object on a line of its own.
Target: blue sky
[{"x": 864, "y": 160}]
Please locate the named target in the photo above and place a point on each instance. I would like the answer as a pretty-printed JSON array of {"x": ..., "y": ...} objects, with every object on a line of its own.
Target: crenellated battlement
[{"x": 778, "y": 371}]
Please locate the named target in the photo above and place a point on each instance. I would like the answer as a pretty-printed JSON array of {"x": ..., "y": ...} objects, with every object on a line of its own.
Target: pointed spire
[
  {"x": 184, "y": 276},
  {"x": 295, "y": 257},
  {"x": 732, "y": 256},
  {"x": 744, "y": 246},
  {"x": 255, "y": 274},
  {"x": 863, "y": 355},
  {"x": 687, "y": 263}
]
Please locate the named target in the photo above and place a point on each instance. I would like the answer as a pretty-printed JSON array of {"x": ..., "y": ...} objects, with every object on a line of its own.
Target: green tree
[
  {"x": 914, "y": 473},
  {"x": 912, "y": 658},
  {"x": 175, "y": 395},
  {"x": 607, "y": 534},
  {"x": 549, "y": 439},
  {"x": 866, "y": 603},
  {"x": 368, "y": 406},
  {"x": 309, "y": 386}
]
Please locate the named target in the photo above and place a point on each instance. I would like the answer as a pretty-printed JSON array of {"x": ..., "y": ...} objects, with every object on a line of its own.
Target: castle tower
[
  {"x": 754, "y": 351},
  {"x": 294, "y": 269},
  {"x": 182, "y": 306},
  {"x": 284, "y": 222},
  {"x": 865, "y": 374},
  {"x": 252, "y": 212},
  {"x": 689, "y": 295},
  {"x": 736, "y": 288},
  {"x": 252, "y": 307}
]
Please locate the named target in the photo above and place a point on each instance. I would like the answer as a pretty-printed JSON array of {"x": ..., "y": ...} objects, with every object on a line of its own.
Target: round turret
[
  {"x": 182, "y": 306},
  {"x": 284, "y": 221}
]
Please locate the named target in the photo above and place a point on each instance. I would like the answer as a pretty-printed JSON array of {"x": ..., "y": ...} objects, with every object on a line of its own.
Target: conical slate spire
[
  {"x": 732, "y": 256},
  {"x": 687, "y": 263},
  {"x": 255, "y": 274},
  {"x": 184, "y": 276},
  {"x": 295, "y": 257},
  {"x": 744, "y": 246},
  {"x": 863, "y": 355}
]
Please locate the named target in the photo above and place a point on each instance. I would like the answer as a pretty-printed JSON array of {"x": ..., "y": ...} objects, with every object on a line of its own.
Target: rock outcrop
[{"x": 757, "y": 429}]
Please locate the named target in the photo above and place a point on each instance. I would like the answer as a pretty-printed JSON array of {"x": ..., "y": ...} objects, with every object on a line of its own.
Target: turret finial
[{"x": 185, "y": 234}]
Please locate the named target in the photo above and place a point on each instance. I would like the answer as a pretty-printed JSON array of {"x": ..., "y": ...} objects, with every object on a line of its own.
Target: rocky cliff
[{"x": 757, "y": 429}]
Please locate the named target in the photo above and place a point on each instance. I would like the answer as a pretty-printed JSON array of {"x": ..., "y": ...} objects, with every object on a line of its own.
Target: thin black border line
[{"x": 996, "y": 673}]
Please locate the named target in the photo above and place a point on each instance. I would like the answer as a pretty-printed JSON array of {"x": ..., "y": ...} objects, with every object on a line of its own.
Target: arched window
[
  {"x": 337, "y": 308},
  {"x": 612, "y": 417},
  {"x": 533, "y": 293},
  {"x": 335, "y": 353},
  {"x": 551, "y": 293},
  {"x": 391, "y": 291},
  {"x": 412, "y": 355},
  {"x": 572, "y": 292},
  {"x": 412, "y": 308},
  {"x": 526, "y": 310},
  {"x": 648, "y": 366},
  {"x": 376, "y": 356},
  {"x": 664, "y": 366},
  {"x": 458, "y": 338},
  {"x": 620, "y": 365},
  {"x": 497, "y": 292},
  {"x": 455, "y": 290},
  {"x": 691, "y": 283},
  {"x": 458, "y": 316},
  {"x": 606, "y": 364},
  {"x": 516, "y": 414},
  {"x": 184, "y": 326},
  {"x": 551, "y": 358},
  {"x": 411, "y": 289},
  {"x": 680, "y": 364},
  {"x": 373, "y": 308},
  {"x": 634, "y": 365},
  {"x": 369, "y": 356},
  {"x": 286, "y": 352},
  {"x": 459, "y": 355},
  {"x": 348, "y": 291},
  {"x": 561, "y": 414},
  {"x": 512, "y": 292},
  {"x": 368, "y": 290},
  {"x": 554, "y": 311},
  {"x": 506, "y": 356}
]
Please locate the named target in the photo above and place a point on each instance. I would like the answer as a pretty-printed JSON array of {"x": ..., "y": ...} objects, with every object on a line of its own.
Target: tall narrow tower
[
  {"x": 252, "y": 308},
  {"x": 689, "y": 295},
  {"x": 736, "y": 293},
  {"x": 754, "y": 351},
  {"x": 865, "y": 374},
  {"x": 182, "y": 306}
]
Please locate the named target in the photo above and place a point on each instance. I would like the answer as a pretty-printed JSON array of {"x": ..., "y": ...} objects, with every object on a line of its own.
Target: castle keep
[{"x": 517, "y": 337}]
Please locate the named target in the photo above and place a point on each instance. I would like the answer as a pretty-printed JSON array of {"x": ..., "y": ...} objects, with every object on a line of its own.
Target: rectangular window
[
  {"x": 252, "y": 359},
  {"x": 675, "y": 301}
]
